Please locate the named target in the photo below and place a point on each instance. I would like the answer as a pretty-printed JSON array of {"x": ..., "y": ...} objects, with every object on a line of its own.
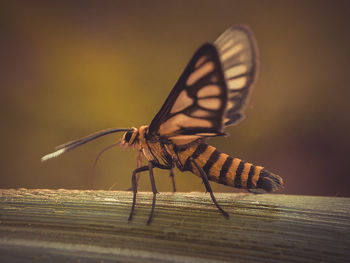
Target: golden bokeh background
[{"x": 69, "y": 68}]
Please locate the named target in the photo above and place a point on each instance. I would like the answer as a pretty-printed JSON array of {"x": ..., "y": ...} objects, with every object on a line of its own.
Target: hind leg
[{"x": 208, "y": 187}]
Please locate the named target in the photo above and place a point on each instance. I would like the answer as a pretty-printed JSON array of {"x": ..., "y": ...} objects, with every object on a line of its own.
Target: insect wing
[
  {"x": 238, "y": 55},
  {"x": 198, "y": 100},
  {"x": 212, "y": 91}
]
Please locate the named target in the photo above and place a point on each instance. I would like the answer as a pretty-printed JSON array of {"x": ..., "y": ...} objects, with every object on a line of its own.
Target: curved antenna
[
  {"x": 96, "y": 160},
  {"x": 73, "y": 144}
]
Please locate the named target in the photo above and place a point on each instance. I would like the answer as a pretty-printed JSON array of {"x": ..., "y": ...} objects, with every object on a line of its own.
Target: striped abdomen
[{"x": 223, "y": 169}]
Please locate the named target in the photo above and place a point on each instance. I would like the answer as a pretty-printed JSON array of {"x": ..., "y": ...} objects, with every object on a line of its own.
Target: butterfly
[{"x": 211, "y": 94}]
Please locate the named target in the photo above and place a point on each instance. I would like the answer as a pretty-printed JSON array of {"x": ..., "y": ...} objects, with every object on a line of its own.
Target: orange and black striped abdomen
[{"x": 224, "y": 169}]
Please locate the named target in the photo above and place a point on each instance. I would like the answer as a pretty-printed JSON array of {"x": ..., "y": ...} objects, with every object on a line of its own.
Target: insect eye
[{"x": 128, "y": 136}]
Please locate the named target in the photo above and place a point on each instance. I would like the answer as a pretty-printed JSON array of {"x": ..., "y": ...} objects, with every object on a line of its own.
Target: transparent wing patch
[{"x": 238, "y": 56}]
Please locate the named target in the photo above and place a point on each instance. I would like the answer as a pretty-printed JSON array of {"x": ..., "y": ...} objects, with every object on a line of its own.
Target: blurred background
[{"x": 69, "y": 68}]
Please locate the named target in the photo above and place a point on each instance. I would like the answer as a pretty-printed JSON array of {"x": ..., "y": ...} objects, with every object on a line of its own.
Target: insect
[{"x": 211, "y": 94}]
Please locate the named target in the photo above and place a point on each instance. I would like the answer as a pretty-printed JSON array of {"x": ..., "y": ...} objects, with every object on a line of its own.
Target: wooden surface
[{"x": 91, "y": 226}]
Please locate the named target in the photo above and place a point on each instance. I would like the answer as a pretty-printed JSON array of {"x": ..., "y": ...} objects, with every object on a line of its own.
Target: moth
[{"x": 211, "y": 94}]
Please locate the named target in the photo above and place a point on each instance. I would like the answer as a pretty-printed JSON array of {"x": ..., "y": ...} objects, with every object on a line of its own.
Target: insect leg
[
  {"x": 160, "y": 166},
  {"x": 256, "y": 192},
  {"x": 172, "y": 176},
  {"x": 154, "y": 190},
  {"x": 153, "y": 184},
  {"x": 207, "y": 186},
  {"x": 134, "y": 188},
  {"x": 139, "y": 164},
  {"x": 165, "y": 167}
]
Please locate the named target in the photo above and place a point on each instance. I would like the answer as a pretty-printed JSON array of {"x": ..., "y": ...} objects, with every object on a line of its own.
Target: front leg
[
  {"x": 139, "y": 164},
  {"x": 134, "y": 188}
]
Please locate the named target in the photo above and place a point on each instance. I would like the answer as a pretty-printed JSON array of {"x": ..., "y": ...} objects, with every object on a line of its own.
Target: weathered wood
[{"x": 91, "y": 226}]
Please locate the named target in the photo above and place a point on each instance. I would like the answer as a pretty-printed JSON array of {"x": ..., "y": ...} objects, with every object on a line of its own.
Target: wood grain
[{"x": 91, "y": 226}]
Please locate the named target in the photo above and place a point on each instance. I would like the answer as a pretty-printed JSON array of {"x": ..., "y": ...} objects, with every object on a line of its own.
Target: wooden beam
[{"x": 92, "y": 226}]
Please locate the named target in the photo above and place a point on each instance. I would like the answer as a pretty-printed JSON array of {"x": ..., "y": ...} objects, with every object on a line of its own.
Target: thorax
[{"x": 151, "y": 146}]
